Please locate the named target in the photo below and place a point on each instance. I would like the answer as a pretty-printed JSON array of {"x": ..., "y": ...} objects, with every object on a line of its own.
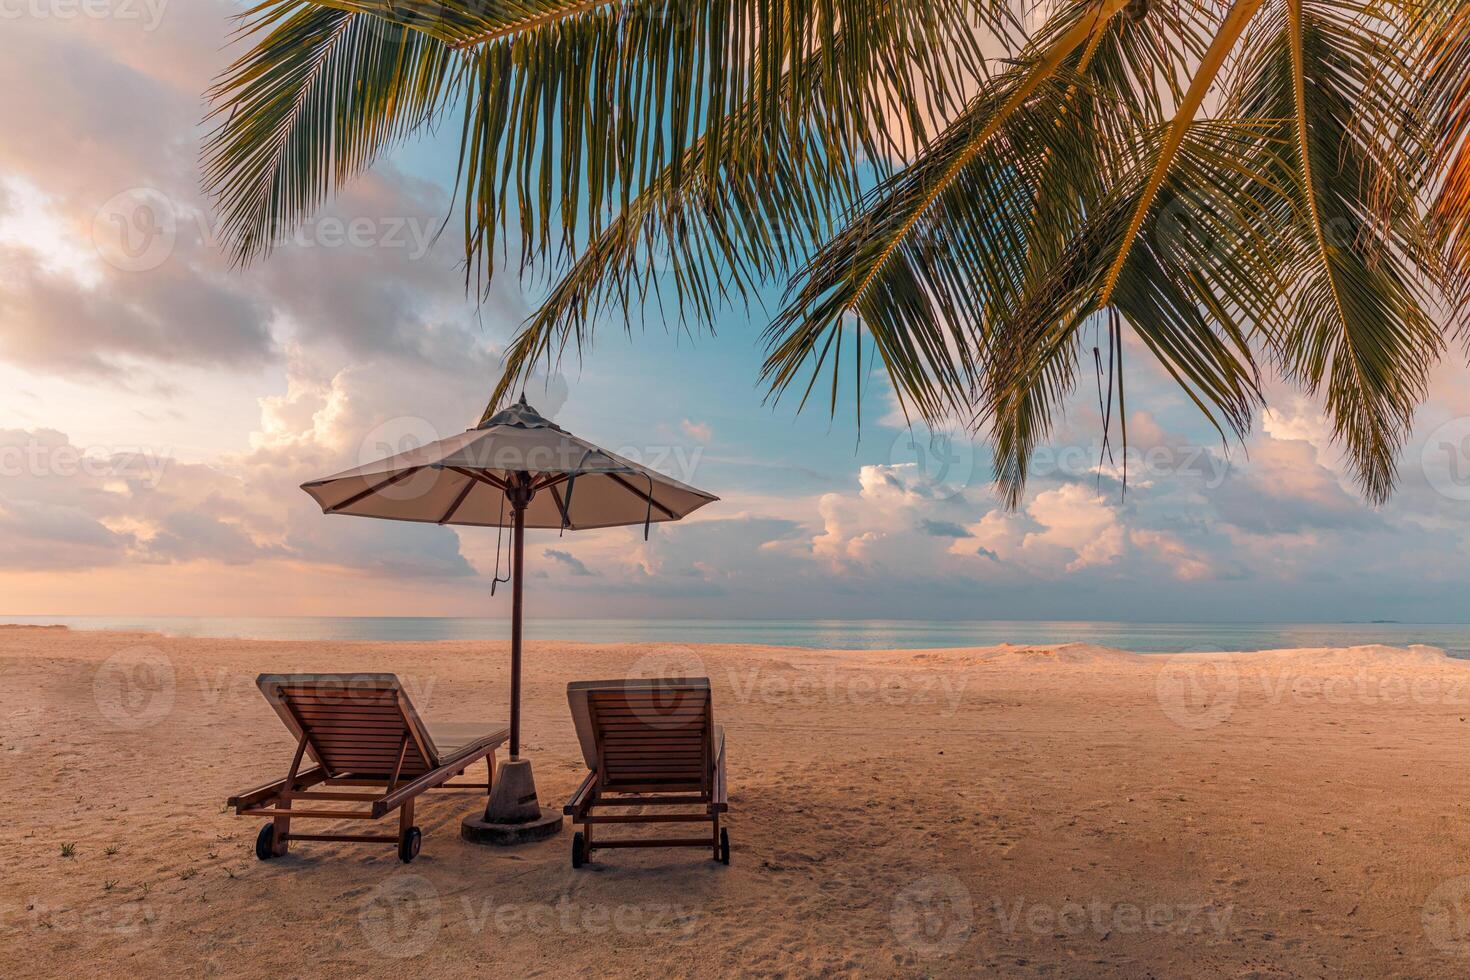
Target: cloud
[
  {"x": 69, "y": 506},
  {"x": 104, "y": 228},
  {"x": 943, "y": 529},
  {"x": 698, "y": 431},
  {"x": 570, "y": 561},
  {"x": 1286, "y": 489}
]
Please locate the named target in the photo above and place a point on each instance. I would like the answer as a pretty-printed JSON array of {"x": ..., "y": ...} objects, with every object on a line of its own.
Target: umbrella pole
[
  {"x": 518, "y": 561},
  {"x": 513, "y": 814}
]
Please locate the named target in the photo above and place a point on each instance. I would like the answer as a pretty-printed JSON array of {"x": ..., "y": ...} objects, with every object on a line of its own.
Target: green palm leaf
[
  {"x": 1353, "y": 326},
  {"x": 321, "y": 94}
]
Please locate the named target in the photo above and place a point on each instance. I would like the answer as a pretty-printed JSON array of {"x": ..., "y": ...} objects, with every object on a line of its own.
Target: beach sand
[{"x": 1070, "y": 811}]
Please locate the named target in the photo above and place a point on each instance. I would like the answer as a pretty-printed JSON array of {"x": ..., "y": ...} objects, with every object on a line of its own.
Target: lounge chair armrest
[
  {"x": 429, "y": 780},
  {"x": 719, "y": 802},
  {"x": 259, "y": 794},
  {"x": 581, "y": 797}
]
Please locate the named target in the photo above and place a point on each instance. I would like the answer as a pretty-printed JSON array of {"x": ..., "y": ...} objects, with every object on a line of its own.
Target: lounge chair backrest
[
  {"x": 645, "y": 732},
  {"x": 357, "y": 723}
]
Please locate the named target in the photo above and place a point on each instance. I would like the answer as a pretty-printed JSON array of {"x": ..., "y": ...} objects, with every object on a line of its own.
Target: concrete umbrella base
[{"x": 514, "y": 815}]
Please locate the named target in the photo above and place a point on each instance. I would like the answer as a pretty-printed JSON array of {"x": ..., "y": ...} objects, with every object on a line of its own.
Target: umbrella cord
[
  {"x": 499, "y": 537},
  {"x": 648, "y": 516},
  {"x": 566, "y": 511}
]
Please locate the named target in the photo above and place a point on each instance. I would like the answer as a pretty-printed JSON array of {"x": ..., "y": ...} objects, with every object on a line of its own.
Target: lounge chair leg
[
  {"x": 490, "y": 773},
  {"x": 715, "y": 836},
  {"x": 282, "y": 830},
  {"x": 405, "y": 818},
  {"x": 409, "y": 836}
]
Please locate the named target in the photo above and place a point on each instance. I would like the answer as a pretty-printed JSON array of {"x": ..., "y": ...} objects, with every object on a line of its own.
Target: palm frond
[
  {"x": 321, "y": 94},
  {"x": 748, "y": 201},
  {"x": 1440, "y": 48},
  {"x": 1163, "y": 294},
  {"x": 1353, "y": 324},
  {"x": 917, "y": 264},
  {"x": 576, "y": 107}
]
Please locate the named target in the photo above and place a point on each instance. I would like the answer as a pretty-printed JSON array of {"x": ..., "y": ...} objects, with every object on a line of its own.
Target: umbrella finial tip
[{"x": 523, "y": 397}]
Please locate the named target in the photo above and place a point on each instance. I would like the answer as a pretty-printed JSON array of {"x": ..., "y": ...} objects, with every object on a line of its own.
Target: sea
[{"x": 847, "y": 634}]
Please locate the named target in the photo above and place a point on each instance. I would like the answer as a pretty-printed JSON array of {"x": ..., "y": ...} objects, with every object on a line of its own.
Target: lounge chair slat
[
  {"x": 650, "y": 712},
  {"x": 369, "y": 701},
  {"x": 637, "y": 727},
  {"x": 656, "y": 842},
  {"x": 348, "y": 838}
]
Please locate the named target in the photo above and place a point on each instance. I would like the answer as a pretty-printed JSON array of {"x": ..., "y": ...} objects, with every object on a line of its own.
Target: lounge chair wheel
[
  {"x": 265, "y": 842},
  {"x": 724, "y": 846},
  {"x": 408, "y": 844},
  {"x": 579, "y": 849}
]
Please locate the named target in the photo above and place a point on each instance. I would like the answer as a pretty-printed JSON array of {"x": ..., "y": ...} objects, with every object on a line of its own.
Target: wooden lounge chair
[
  {"x": 651, "y": 744},
  {"x": 361, "y": 731}
]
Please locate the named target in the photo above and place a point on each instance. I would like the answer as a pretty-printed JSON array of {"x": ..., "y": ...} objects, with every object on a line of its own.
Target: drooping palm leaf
[
  {"x": 313, "y": 104},
  {"x": 1033, "y": 346},
  {"x": 1353, "y": 324},
  {"x": 576, "y": 107},
  {"x": 772, "y": 194},
  {"x": 918, "y": 264},
  {"x": 1439, "y": 129}
]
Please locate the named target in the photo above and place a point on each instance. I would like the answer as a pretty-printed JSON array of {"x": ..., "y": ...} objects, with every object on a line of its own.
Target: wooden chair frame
[
  {"x": 383, "y": 792},
  {"x": 702, "y": 801}
]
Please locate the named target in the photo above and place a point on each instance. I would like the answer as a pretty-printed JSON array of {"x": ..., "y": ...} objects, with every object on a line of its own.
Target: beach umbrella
[{"x": 515, "y": 470}]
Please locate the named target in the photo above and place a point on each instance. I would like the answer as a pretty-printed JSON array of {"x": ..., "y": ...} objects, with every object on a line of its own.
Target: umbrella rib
[
  {"x": 647, "y": 498},
  {"x": 482, "y": 477},
  {"x": 468, "y": 486},
  {"x": 363, "y": 494},
  {"x": 566, "y": 519}
]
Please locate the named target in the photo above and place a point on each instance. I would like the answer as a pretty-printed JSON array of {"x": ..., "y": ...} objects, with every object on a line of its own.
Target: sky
[{"x": 159, "y": 409}]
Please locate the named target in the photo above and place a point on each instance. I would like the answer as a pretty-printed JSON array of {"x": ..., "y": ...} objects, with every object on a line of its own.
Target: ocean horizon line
[{"x": 828, "y": 634}]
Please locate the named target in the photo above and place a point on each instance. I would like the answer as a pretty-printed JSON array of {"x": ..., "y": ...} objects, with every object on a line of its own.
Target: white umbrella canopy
[
  {"x": 472, "y": 479},
  {"x": 518, "y": 470}
]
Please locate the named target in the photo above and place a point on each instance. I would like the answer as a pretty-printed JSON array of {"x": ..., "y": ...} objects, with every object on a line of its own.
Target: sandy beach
[{"x": 1071, "y": 811}]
